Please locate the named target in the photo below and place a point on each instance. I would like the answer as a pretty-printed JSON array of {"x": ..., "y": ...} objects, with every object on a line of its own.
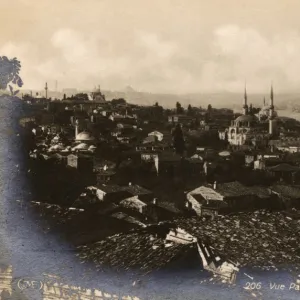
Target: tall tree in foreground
[{"x": 9, "y": 74}]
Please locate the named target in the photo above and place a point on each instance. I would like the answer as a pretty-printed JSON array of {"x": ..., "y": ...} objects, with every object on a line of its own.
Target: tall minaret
[
  {"x": 245, "y": 106},
  {"x": 76, "y": 128},
  {"x": 271, "y": 112},
  {"x": 46, "y": 90}
]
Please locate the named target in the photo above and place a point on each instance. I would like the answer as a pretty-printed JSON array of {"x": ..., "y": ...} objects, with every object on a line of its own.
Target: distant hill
[
  {"x": 289, "y": 102},
  {"x": 218, "y": 100}
]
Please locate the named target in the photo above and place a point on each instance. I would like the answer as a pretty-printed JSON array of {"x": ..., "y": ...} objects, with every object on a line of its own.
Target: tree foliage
[
  {"x": 190, "y": 110},
  {"x": 179, "y": 108},
  {"x": 178, "y": 140},
  {"x": 9, "y": 74},
  {"x": 81, "y": 97},
  {"x": 118, "y": 101}
]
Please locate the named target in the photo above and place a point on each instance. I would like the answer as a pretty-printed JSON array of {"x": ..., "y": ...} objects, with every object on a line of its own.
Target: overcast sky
[{"x": 158, "y": 46}]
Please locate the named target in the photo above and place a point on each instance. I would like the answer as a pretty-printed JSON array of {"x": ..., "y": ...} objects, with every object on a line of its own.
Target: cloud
[
  {"x": 240, "y": 54},
  {"x": 156, "y": 46},
  {"x": 155, "y": 61},
  {"x": 72, "y": 44}
]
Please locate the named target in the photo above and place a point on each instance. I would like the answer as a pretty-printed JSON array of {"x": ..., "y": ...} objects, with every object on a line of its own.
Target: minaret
[
  {"x": 271, "y": 112},
  {"x": 245, "y": 106},
  {"x": 46, "y": 90},
  {"x": 264, "y": 101},
  {"x": 76, "y": 128}
]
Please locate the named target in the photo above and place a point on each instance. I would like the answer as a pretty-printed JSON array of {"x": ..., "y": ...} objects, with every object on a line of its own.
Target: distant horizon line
[{"x": 162, "y": 93}]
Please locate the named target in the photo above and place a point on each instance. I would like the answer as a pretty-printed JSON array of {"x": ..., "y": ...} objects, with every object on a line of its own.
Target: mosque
[
  {"x": 250, "y": 128},
  {"x": 83, "y": 136}
]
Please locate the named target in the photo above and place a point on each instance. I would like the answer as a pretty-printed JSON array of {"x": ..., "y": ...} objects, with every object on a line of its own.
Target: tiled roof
[
  {"x": 110, "y": 188},
  {"x": 209, "y": 203},
  {"x": 287, "y": 190},
  {"x": 259, "y": 238},
  {"x": 135, "y": 250},
  {"x": 169, "y": 206},
  {"x": 127, "y": 218},
  {"x": 105, "y": 172},
  {"x": 132, "y": 202},
  {"x": 149, "y": 139},
  {"x": 233, "y": 189},
  {"x": 284, "y": 168},
  {"x": 56, "y": 212},
  {"x": 137, "y": 190}
]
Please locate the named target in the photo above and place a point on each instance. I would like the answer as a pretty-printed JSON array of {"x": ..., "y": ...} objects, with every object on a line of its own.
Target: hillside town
[{"x": 143, "y": 188}]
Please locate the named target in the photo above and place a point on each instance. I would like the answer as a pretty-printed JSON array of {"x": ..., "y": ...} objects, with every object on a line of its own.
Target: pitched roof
[
  {"x": 169, "y": 206},
  {"x": 131, "y": 189},
  {"x": 287, "y": 190},
  {"x": 110, "y": 188},
  {"x": 137, "y": 190},
  {"x": 127, "y": 218},
  {"x": 132, "y": 202},
  {"x": 132, "y": 250},
  {"x": 209, "y": 203},
  {"x": 284, "y": 168},
  {"x": 259, "y": 239},
  {"x": 232, "y": 189},
  {"x": 149, "y": 139}
]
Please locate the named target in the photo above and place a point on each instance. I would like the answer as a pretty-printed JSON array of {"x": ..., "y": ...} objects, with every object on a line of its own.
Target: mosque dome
[
  {"x": 84, "y": 136},
  {"x": 265, "y": 111},
  {"x": 224, "y": 153},
  {"x": 81, "y": 146},
  {"x": 265, "y": 108},
  {"x": 55, "y": 148}
]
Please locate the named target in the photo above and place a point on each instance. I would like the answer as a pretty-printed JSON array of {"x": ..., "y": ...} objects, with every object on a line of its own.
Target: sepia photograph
[{"x": 150, "y": 150}]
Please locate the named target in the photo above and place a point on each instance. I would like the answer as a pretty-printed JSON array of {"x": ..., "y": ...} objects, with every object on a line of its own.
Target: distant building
[
  {"x": 181, "y": 119},
  {"x": 104, "y": 176},
  {"x": 291, "y": 145},
  {"x": 259, "y": 164},
  {"x": 83, "y": 163},
  {"x": 247, "y": 128},
  {"x": 285, "y": 172},
  {"x": 226, "y": 197},
  {"x": 97, "y": 96},
  {"x": 158, "y": 135}
]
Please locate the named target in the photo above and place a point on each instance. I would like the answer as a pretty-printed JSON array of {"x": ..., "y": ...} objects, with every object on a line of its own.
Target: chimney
[
  {"x": 215, "y": 185},
  {"x": 155, "y": 201}
]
